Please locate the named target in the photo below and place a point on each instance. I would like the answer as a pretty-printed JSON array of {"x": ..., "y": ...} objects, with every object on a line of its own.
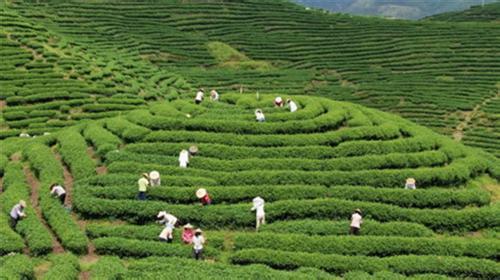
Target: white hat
[
  {"x": 193, "y": 149},
  {"x": 22, "y": 203},
  {"x": 188, "y": 225},
  {"x": 198, "y": 230},
  {"x": 258, "y": 111},
  {"x": 258, "y": 201},
  {"x": 410, "y": 181},
  {"x": 201, "y": 193},
  {"x": 161, "y": 213},
  {"x": 154, "y": 175},
  {"x": 278, "y": 99}
]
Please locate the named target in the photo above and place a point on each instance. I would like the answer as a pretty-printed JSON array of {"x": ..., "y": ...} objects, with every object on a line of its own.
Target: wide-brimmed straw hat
[
  {"x": 201, "y": 193},
  {"x": 410, "y": 181},
  {"x": 193, "y": 149},
  {"x": 198, "y": 230},
  {"x": 188, "y": 225},
  {"x": 145, "y": 175},
  {"x": 22, "y": 203},
  {"x": 358, "y": 210},
  {"x": 154, "y": 175}
]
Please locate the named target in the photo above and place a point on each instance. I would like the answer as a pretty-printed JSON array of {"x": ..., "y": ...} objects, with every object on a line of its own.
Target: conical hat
[
  {"x": 201, "y": 193},
  {"x": 22, "y": 203},
  {"x": 154, "y": 175},
  {"x": 188, "y": 225},
  {"x": 410, "y": 181},
  {"x": 193, "y": 149}
]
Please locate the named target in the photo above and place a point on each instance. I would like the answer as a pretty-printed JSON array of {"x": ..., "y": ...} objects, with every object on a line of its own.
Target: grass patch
[{"x": 228, "y": 57}]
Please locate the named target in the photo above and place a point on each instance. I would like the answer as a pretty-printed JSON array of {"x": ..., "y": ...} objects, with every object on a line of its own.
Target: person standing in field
[
  {"x": 356, "y": 221},
  {"x": 291, "y": 105},
  {"x": 199, "y": 96},
  {"x": 143, "y": 186},
  {"x": 259, "y": 116},
  {"x": 198, "y": 241},
  {"x": 59, "y": 191},
  {"x": 187, "y": 234},
  {"x": 410, "y": 184},
  {"x": 17, "y": 213},
  {"x": 214, "y": 95},
  {"x": 260, "y": 215},
  {"x": 183, "y": 159}
]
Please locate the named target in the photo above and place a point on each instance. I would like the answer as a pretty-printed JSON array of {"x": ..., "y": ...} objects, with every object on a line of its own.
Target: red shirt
[{"x": 206, "y": 200}]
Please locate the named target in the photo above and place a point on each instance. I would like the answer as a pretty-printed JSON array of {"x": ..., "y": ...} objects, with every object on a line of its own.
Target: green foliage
[
  {"x": 408, "y": 265},
  {"x": 64, "y": 266},
  {"x": 318, "y": 227},
  {"x": 108, "y": 268},
  {"x": 16, "y": 267},
  {"x": 370, "y": 245},
  {"x": 49, "y": 170},
  {"x": 103, "y": 140},
  {"x": 10, "y": 241},
  {"x": 126, "y": 130},
  {"x": 73, "y": 151},
  {"x": 15, "y": 188}
]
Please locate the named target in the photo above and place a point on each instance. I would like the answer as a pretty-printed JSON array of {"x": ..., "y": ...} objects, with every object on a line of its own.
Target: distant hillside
[
  {"x": 490, "y": 12},
  {"x": 403, "y": 9},
  {"x": 66, "y": 61}
]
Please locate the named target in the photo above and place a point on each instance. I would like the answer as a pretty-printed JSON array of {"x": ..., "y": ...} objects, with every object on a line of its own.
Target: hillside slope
[
  {"x": 441, "y": 75},
  {"x": 488, "y": 13}
]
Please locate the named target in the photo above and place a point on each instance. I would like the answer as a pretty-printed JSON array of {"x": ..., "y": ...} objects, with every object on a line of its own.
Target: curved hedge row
[
  {"x": 49, "y": 170},
  {"x": 455, "y": 173},
  {"x": 396, "y": 160},
  {"x": 10, "y": 241},
  {"x": 15, "y": 188},
  {"x": 139, "y": 248},
  {"x": 408, "y": 265},
  {"x": 103, "y": 140},
  {"x": 73, "y": 147},
  {"x": 238, "y": 215},
  {"x": 370, "y": 227},
  {"x": 331, "y": 138},
  {"x": 108, "y": 268},
  {"x": 381, "y": 246},
  {"x": 429, "y": 198}
]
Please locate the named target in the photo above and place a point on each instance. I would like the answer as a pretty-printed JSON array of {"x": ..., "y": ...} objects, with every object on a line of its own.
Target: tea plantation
[{"x": 95, "y": 93}]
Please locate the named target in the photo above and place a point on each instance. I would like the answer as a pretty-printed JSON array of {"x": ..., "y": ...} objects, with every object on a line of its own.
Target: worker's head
[
  {"x": 145, "y": 175},
  {"x": 258, "y": 111},
  {"x": 202, "y": 89},
  {"x": 357, "y": 211},
  {"x": 161, "y": 214},
  {"x": 22, "y": 203},
  {"x": 410, "y": 181},
  {"x": 198, "y": 232},
  {"x": 52, "y": 185},
  {"x": 288, "y": 101}
]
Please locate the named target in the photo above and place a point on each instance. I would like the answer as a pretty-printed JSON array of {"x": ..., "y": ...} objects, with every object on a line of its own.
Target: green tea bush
[
  {"x": 108, "y": 268},
  {"x": 103, "y": 140},
  {"x": 15, "y": 188},
  {"x": 381, "y": 246},
  {"x": 408, "y": 265},
  {"x": 126, "y": 130},
  {"x": 10, "y": 241},
  {"x": 64, "y": 266},
  {"x": 73, "y": 147},
  {"x": 370, "y": 228},
  {"x": 16, "y": 267}
]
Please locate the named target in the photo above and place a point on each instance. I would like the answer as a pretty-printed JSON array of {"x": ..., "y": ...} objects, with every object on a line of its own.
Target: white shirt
[
  {"x": 166, "y": 232},
  {"x": 293, "y": 106},
  {"x": 167, "y": 218},
  {"x": 258, "y": 204},
  {"x": 260, "y": 116},
  {"x": 214, "y": 95},
  {"x": 198, "y": 242},
  {"x": 199, "y": 96},
  {"x": 17, "y": 211},
  {"x": 356, "y": 220},
  {"x": 184, "y": 156},
  {"x": 58, "y": 190}
]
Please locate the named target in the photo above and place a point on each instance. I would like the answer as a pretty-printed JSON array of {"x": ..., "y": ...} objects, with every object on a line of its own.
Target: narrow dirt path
[
  {"x": 458, "y": 134},
  {"x": 35, "y": 193},
  {"x": 100, "y": 167},
  {"x": 68, "y": 179}
]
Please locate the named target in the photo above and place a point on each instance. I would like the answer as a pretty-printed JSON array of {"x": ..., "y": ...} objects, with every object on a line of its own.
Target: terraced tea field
[
  {"x": 313, "y": 167},
  {"x": 104, "y": 91}
]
